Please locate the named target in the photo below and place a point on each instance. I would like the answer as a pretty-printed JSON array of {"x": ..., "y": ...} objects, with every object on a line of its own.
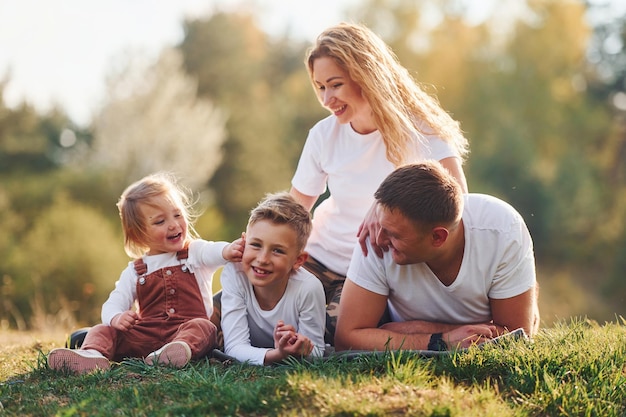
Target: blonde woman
[{"x": 380, "y": 119}]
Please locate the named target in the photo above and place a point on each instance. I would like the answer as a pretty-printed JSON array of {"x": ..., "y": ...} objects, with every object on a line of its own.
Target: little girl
[{"x": 170, "y": 281}]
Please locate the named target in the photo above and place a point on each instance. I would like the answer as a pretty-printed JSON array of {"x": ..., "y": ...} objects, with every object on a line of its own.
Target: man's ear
[
  {"x": 300, "y": 260},
  {"x": 439, "y": 236}
]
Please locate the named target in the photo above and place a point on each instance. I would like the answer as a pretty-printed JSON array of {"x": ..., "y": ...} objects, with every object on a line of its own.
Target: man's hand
[{"x": 470, "y": 335}]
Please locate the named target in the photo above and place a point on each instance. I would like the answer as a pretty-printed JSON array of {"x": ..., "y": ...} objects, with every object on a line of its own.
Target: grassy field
[{"x": 576, "y": 368}]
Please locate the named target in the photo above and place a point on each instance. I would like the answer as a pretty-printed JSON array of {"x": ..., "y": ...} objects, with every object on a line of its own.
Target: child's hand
[
  {"x": 125, "y": 321},
  {"x": 282, "y": 330},
  {"x": 290, "y": 343},
  {"x": 296, "y": 345},
  {"x": 234, "y": 251}
]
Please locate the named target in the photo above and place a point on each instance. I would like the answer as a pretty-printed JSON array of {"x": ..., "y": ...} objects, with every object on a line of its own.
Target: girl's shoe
[
  {"x": 80, "y": 361},
  {"x": 176, "y": 354}
]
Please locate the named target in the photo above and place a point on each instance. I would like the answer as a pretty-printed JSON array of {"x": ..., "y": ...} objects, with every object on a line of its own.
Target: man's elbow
[{"x": 341, "y": 342}]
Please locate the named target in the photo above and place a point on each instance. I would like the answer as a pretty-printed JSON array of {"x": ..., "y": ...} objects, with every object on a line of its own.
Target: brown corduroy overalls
[{"x": 170, "y": 309}]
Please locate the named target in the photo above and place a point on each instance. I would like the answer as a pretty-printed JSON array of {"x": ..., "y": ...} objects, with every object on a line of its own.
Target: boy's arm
[
  {"x": 312, "y": 310},
  {"x": 235, "y": 320}
]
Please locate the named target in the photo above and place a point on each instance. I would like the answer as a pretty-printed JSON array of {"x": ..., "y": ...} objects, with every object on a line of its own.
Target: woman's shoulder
[{"x": 325, "y": 126}]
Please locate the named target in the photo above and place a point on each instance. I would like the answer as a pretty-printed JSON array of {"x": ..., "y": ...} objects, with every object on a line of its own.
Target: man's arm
[
  {"x": 359, "y": 313},
  {"x": 357, "y": 326},
  {"x": 419, "y": 326},
  {"x": 515, "y": 312}
]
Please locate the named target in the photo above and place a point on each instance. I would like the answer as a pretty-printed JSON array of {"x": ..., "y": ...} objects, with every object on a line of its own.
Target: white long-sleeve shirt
[
  {"x": 248, "y": 330},
  {"x": 203, "y": 260}
]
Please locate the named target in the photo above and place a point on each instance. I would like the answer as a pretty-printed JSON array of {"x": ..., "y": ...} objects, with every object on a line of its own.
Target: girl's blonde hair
[
  {"x": 144, "y": 191},
  {"x": 398, "y": 103}
]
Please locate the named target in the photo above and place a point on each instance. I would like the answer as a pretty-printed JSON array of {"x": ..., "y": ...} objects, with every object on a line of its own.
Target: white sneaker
[
  {"x": 80, "y": 361},
  {"x": 176, "y": 354}
]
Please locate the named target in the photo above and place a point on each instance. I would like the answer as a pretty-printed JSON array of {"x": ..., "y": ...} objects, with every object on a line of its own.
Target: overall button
[
  {"x": 142, "y": 281},
  {"x": 172, "y": 311},
  {"x": 172, "y": 291},
  {"x": 168, "y": 272}
]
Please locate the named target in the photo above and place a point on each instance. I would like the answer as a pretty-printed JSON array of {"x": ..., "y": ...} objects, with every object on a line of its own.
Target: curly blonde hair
[
  {"x": 398, "y": 103},
  {"x": 144, "y": 191}
]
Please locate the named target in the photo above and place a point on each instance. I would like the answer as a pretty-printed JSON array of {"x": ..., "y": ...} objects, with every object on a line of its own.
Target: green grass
[{"x": 576, "y": 368}]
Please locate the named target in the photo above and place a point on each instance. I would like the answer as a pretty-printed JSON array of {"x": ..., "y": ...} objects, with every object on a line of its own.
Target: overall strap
[
  {"x": 140, "y": 267},
  {"x": 182, "y": 254}
]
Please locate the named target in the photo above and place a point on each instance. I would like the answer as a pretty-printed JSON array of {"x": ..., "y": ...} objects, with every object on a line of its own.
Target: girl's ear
[{"x": 300, "y": 260}]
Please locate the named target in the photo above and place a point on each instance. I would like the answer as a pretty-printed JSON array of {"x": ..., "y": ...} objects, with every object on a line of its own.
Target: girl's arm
[{"x": 123, "y": 297}]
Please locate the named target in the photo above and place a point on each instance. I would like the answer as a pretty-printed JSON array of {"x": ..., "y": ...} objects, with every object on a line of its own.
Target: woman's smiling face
[{"x": 341, "y": 95}]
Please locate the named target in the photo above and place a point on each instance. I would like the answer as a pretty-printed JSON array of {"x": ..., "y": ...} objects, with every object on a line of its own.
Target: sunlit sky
[{"x": 60, "y": 51}]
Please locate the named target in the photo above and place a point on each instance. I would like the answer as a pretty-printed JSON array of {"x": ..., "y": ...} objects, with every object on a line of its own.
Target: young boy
[{"x": 272, "y": 308}]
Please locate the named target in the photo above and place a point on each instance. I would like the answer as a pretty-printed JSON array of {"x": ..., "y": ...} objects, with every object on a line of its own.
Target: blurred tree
[
  {"x": 31, "y": 142},
  {"x": 263, "y": 86},
  {"x": 540, "y": 125},
  {"x": 65, "y": 265},
  {"x": 533, "y": 133},
  {"x": 606, "y": 83},
  {"x": 153, "y": 121}
]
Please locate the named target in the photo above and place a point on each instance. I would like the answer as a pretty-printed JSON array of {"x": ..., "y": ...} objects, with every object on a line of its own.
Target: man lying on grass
[{"x": 457, "y": 269}]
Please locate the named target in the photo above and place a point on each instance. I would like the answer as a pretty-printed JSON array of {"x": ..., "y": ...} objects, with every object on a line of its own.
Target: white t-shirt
[
  {"x": 352, "y": 166},
  {"x": 498, "y": 263},
  {"x": 248, "y": 330},
  {"x": 204, "y": 258}
]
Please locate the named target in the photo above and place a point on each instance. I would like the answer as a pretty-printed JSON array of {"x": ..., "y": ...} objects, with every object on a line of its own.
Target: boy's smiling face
[{"x": 271, "y": 254}]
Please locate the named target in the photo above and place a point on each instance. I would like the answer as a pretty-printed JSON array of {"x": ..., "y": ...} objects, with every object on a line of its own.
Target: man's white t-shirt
[
  {"x": 249, "y": 330},
  {"x": 498, "y": 263},
  {"x": 352, "y": 165}
]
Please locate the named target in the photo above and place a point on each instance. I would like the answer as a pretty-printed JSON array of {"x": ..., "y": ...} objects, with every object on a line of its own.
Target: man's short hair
[{"x": 425, "y": 193}]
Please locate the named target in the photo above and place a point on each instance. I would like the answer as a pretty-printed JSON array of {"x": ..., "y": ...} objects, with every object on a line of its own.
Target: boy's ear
[{"x": 300, "y": 260}]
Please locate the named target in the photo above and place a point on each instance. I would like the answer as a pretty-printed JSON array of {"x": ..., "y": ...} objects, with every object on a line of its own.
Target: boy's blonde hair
[
  {"x": 282, "y": 208},
  {"x": 144, "y": 191}
]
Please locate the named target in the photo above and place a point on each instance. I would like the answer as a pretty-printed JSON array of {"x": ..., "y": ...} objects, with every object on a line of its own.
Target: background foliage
[{"x": 539, "y": 91}]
